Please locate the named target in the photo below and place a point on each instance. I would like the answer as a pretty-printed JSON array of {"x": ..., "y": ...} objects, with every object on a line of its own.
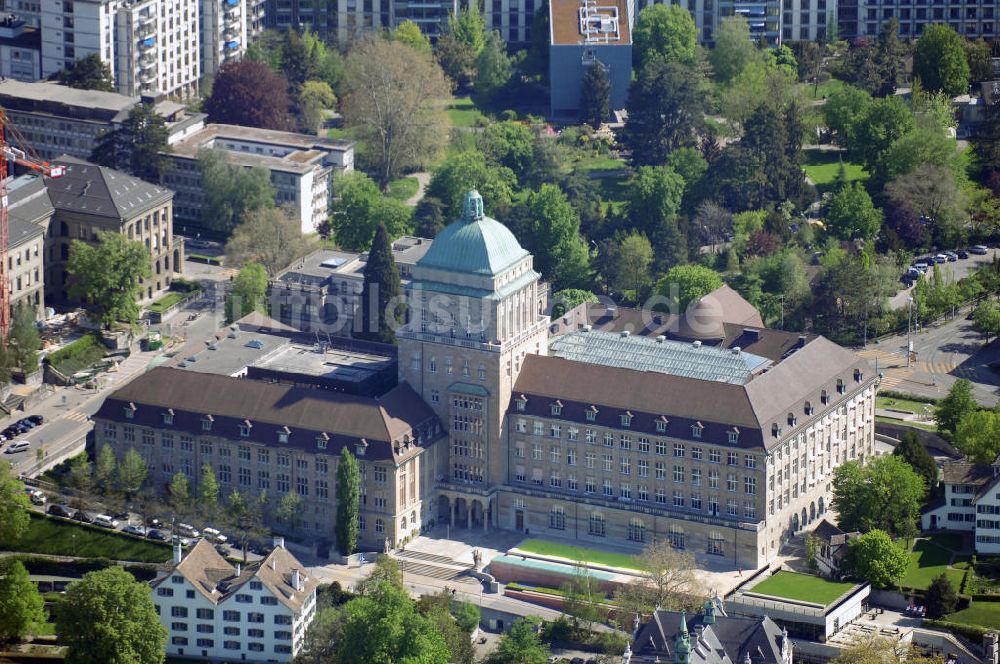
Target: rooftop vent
[
  {"x": 696, "y": 344},
  {"x": 660, "y": 339},
  {"x": 255, "y": 343},
  {"x": 624, "y": 334},
  {"x": 736, "y": 350},
  {"x": 802, "y": 340},
  {"x": 587, "y": 328},
  {"x": 753, "y": 334}
]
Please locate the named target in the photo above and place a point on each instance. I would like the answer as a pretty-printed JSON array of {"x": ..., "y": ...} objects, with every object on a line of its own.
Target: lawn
[
  {"x": 599, "y": 162},
  {"x": 339, "y": 132},
  {"x": 576, "y": 553},
  {"x": 906, "y": 423},
  {"x": 824, "y": 90},
  {"x": 802, "y": 587},
  {"x": 822, "y": 167},
  {"x": 986, "y": 614},
  {"x": 613, "y": 191},
  {"x": 404, "y": 188},
  {"x": 916, "y": 407},
  {"x": 928, "y": 559},
  {"x": 462, "y": 112},
  {"x": 167, "y": 301},
  {"x": 56, "y": 537}
]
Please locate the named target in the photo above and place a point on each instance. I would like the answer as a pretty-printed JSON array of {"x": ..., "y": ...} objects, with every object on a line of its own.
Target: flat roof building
[
  {"x": 301, "y": 167},
  {"x": 20, "y": 49},
  {"x": 586, "y": 33}
]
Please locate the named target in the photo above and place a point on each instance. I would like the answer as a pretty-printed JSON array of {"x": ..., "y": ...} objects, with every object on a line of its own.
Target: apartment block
[
  {"x": 20, "y": 49},
  {"x": 224, "y": 33}
]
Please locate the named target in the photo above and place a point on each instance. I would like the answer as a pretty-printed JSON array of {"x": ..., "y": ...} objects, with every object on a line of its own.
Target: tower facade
[{"x": 473, "y": 318}]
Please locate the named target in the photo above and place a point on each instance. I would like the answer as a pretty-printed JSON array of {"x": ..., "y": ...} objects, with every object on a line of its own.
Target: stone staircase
[{"x": 430, "y": 565}]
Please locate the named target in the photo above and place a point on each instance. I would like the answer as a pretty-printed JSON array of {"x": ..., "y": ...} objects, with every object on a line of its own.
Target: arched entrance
[
  {"x": 444, "y": 509},
  {"x": 812, "y": 512},
  {"x": 805, "y": 516},
  {"x": 795, "y": 523},
  {"x": 822, "y": 506}
]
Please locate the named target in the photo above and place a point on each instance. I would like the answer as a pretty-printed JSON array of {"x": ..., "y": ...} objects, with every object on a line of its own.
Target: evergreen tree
[
  {"x": 25, "y": 340},
  {"x": 136, "y": 147},
  {"x": 666, "y": 105},
  {"x": 889, "y": 58},
  {"x": 595, "y": 95},
  {"x": 381, "y": 304},
  {"x": 940, "y": 598},
  {"x": 88, "y": 73},
  {"x": 914, "y": 453},
  {"x": 348, "y": 502}
]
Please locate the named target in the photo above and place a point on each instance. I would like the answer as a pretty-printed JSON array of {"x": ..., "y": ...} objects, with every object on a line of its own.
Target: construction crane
[{"x": 12, "y": 156}]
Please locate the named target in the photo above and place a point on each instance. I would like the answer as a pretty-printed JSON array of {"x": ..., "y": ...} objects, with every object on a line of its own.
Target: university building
[{"x": 706, "y": 429}]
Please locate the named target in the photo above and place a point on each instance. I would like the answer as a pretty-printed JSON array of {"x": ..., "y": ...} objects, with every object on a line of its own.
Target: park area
[
  {"x": 801, "y": 587},
  {"x": 580, "y": 554},
  {"x": 822, "y": 166},
  {"x": 64, "y": 538},
  {"x": 984, "y": 614},
  {"x": 932, "y": 556}
]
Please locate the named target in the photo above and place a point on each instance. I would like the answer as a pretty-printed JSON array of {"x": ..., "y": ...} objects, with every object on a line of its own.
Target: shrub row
[
  {"x": 73, "y": 349},
  {"x": 973, "y": 632}
]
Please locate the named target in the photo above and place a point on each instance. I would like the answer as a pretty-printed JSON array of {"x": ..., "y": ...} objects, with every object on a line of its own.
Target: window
[
  {"x": 732, "y": 459},
  {"x": 678, "y": 449},
  {"x": 205, "y": 629},
  {"x": 696, "y": 453},
  {"x": 732, "y": 508},
  {"x": 206, "y": 423},
  {"x": 750, "y": 485},
  {"x": 696, "y": 501},
  {"x": 609, "y": 489},
  {"x": 243, "y": 598},
  {"x": 730, "y": 482},
  {"x": 676, "y": 537},
  {"x": 643, "y": 468},
  {"x": 734, "y": 436},
  {"x": 179, "y": 627},
  {"x": 678, "y": 499},
  {"x": 596, "y": 525},
  {"x": 590, "y": 435},
  {"x": 696, "y": 477},
  {"x": 661, "y": 471},
  {"x": 179, "y": 640},
  {"x": 626, "y": 420},
  {"x": 749, "y": 510},
  {"x": 231, "y": 616},
  {"x": 840, "y": 386},
  {"x": 231, "y": 645},
  {"x": 713, "y": 479},
  {"x": 179, "y": 611},
  {"x": 591, "y": 413},
  {"x": 608, "y": 463},
  {"x": 555, "y": 430},
  {"x": 245, "y": 429},
  {"x": 714, "y": 456},
  {"x": 661, "y": 425},
  {"x": 609, "y": 440},
  {"x": 625, "y": 466},
  {"x": 165, "y": 592},
  {"x": 556, "y": 408},
  {"x": 696, "y": 430},
  {"x": 557, "y": 518},
  {"x": 636, "y": 530},
  {"x": 716, "y": 544},
  {"x": 168, "y": 416},
  {"x": 644, "y": 445},
  {"x": 679, "y": 474},
  {"x": 255, "y": 617},
  {"x": 205, "y": 614},
  {"x": 661, "y": 448},
  {"x": 750, "y": 461}
]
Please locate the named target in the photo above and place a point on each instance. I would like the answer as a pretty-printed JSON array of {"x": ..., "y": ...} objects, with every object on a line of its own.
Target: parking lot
[{"x": 949, "y": 270}]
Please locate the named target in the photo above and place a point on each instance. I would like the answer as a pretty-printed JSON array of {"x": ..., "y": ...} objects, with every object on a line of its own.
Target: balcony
[{"x": 146, "y": 44}]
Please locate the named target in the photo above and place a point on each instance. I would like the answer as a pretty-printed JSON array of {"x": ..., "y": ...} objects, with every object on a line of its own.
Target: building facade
[
  {"x": 262, "y": 437},
  {"x": 20, "y": 49},
  {"x": 224, "y": 32},
  {"x": 29, "y": 213},
  {"x": 253, "y": 613},
  {"x": 861, "y": 18},
  {"x": 301, "y": 167},
  {"x": 971, "y": 503},
  {"x": 89, "y": 200}
]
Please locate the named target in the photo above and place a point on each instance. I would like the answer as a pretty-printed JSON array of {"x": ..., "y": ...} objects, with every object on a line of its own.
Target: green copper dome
[{"x": 474, "y": 244}]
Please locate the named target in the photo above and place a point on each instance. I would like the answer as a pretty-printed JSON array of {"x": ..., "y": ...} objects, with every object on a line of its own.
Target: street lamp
[{"x": 909, "y": 321}]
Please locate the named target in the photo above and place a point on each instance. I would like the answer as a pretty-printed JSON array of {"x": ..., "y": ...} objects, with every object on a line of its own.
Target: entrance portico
[{"x": 464, "y": 511}]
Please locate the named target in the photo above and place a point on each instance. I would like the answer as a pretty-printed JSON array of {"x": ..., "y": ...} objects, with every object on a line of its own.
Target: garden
[
  {"x": 802, "y": 587},
  {"x": 932, "y": 556}
]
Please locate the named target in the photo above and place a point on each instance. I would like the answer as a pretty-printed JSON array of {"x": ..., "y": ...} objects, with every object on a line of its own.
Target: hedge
[
  {"x": 974, "y": 632},
  {"x": 73, "y": 349},
  {"x": 202, "y": 258},
  {"x": 46, "y": 566},
  {"x": 185, "y": 285}
]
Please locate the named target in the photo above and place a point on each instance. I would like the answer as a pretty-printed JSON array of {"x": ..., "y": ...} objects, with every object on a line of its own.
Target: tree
[
  {"x": 409, "y": 33},
  {"x": 319, "y": 644},
  {"x": 980, "y": 58},
  {"x": 270, "y": 237},
  {"x": 625, "y": 261},
  {"x": 852, "y": 214},
  {"x": 939, "y": 60},
  {"x": 911, "y": 450},
  {"x": 493, "y": 67},
  {"x": 761, "y": 83},
  {"x": 683, "y": 284},
  {"x": 80, "y": 477},
  {"x": 314, "y": 98},
  {"x": 521, "y": 645},
  {"x": 393, "y": 99},
  {"x": 22, "y": 609},
  {"x": 25, "y": 341},
  {"x": 664, "y": 31},
  {"x": 508, "y": 144},
  {"x": 886, "y": 493},
  {"x": 670, "y": 582},
  {"x": 595, "y": 95},
  {"x": 230, "y": 191},
  {"x": 940, "y": 598},
  {"x": 883, "y": 651},
  {"x": 460, "y": 45},
  {"x": 108, "y": 616},
  {"x": 467, "y": 615},
  {"x": 88, "y": 73},
  {"x": 104, "y": 469},
  {"x": 885, "y": 121},
  {"x": 734, "y": 48},
  {"x": 560, "y": 251},
  {"x": 582, "y": 598},
  {"x": 953, "y": 408},
  {"x": 889, "y": 53},
  {"x": 986, "y": 319},
  {"x": 107, "y": 277},
  {"x": 931, "y": 192},
  {"x": 653, "y": 198},
  {"x": 384, "y": 626},
  {"x": 359, "y": 207},
  {"x": 245, "y": 516},
  {"x": 438, "y": 609},
  {"x": 137, "y": 145},
  {"x": 570, "y": 298},
  {"x": 978, "y": 435},
  {"x": 14, "y": 505},
  {"x": 875, "y": 558},
  {"x": 179, "y": 493},
  {"x": 466, "y": 170},
  {"x": 348, "y": 502},
  {"x": 131, "y": 472},
  {"x": 429, "y": 217},
  {"x": 248, "y": 294},
  {"x": 288, "y": 510},
  {"x": 666, "y": 109},
  {"x": 208, "y": 489},
  {"x": 844, "y": 112},
  {"x": 250, "y": 93}
]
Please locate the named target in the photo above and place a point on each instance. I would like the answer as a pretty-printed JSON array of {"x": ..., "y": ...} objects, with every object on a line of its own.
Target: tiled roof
[
  {"x": 966, "y": 472},
  {"x": 97, "y": 190},
  {"x": 726, "y": 641}
]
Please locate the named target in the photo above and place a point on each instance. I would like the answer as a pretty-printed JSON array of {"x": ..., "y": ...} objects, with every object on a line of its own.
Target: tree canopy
[
  {"x": 683, "y": 284},
  {"x": 733, "y": 50},
  {"x": 885, "y": 493},
  {"x": 915, "y": 453},
  {"x": 939, "y": 60},
  {"x": 88, "y": 73},
  {"x": 560, "y": 252},
  {"x": 955, "y": 406},
  {"x": 269, "y": 236},
  {"x": 22, "y": 609},
  {"x": 521, "y": 645},
  {"x": 852, "y": 215},
  {"x": 875, "y": 558},
  {"x": 595, "y": 95},
  {"x": 249, "y": 93},
  {"x": 666, "y": 109},
  {"x": 382, "y": 308},
  {"x": 348, "y": 502},
  {"x": 230, "y": 191},
  {"x": 664, "y": 31},
  {"x": 136, "y": 145},
  {"x": 108, "y": 277},
  {"x": 359, "y": 207},
  {"x": 14, "y": 505},
  {"x": 248, "y": 294}
]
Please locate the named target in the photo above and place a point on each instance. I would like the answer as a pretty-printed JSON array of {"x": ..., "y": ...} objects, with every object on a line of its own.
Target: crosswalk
[
  {"x": 893, "y": 365},
  {"x": 75, "y": 416}
]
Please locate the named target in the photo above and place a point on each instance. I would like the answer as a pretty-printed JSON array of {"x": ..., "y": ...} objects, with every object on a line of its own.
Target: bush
[
  {"x": 973, "y": 632},
  {"x": 185, "y": 285},
  {"x": 78, "y": 355}
]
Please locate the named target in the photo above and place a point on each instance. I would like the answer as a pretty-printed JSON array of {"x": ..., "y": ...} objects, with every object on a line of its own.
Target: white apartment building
[
  {"x": 20, "y": 49},
  {"x": 301, "y": 167},
  {"x": 256, "y": 613},
  {"x": 223, "y": 33},
  {"x": 971, "y": 503}
]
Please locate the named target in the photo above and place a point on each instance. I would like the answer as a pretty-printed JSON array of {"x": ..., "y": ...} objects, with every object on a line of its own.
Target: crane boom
[{"x": 12, "y": 155}]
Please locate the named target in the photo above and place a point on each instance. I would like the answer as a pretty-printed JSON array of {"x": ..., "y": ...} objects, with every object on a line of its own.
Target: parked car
[
  {"x": 940, "y": 258},
  {"x": 922, "y": 266},
  {"x": 12, "y": 432},
  {"x": 979, "y": 250},
  {"x": 952, "y": 256},
  {"x": 19, "y": 446},
  {"x": 105, "y": 521},
  {"x": 58, "y": 509},
  {"x": 36, "y": 496},
  {"x": 962, "y": 253},
  {"x": 134, "y": 529},
  {"x": 25, "y": 422},
  {"x": 154, "y": 521},
  {"x": 187, "y": 530},
  {"x": 214, "y": 535},
  {"x": 37, "y": 419},
  {"x": 84, "y": 516},
  {"x": 157, "y": 535}
]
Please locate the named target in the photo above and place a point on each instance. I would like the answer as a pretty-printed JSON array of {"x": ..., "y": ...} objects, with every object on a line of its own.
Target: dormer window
[
  {"x": 360, "y": 448},
  {"x": 824, "y": 397},
  {"x": 591, "y": 413},
  {"x": 556, "y": 408},
  {"x": 808, "y": 409},
  {"x": 168, "y": 416},
  {"x": 840, "y": 386},
  {"x": 775, "y": 430},
  {"x": 734, "y": 436},
  {"x": 661, "y": 424},
  {"x": 522, "y": 403},
  {"x": 322, "y": 441},
  {"x": 792, "y": 420},
  {"x": 130, "y": 411},
  {"x": 245, "y": 427},
  {"x": 626, "y": 419},
  {"x": 283, "y": 434},
  {"x": 858, "y": 376},
  {"x": 206, "y": 423},
  {"x": 696, "y": 429}
]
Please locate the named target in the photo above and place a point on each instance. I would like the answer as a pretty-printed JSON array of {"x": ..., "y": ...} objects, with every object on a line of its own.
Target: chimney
[
  {"x": 178, "y": 552},
  {"x": 296, "y": 579},
  {"x": 279, "y": 542},
  {"x": 239, "y": 569}
]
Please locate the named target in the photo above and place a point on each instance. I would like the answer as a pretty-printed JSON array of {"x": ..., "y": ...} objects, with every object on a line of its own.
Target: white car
[
  {"x": 215, "y": 535},
  {"x": 105, "y": 521},
  {"x": 187, "y": 530},
  {"x": 134, "y": 529},
  {"x": 19, "y": 446},
  {"x": 980, "y": 250}
]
